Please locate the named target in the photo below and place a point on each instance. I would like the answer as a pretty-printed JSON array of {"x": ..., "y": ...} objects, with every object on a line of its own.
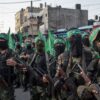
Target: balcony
[{"x": 29, "y": 23}]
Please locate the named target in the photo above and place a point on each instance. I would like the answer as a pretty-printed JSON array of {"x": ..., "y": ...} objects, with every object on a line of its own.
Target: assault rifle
[
  {"x": 83, "y": 74},
  {"x": 77, "y": 69},
  {"x": 39, "y": 71},
  {"x": 94, "y": 88}
]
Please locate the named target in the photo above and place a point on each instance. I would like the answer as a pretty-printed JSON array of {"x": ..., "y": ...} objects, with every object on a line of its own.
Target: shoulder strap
[
  {"x": 33, "y": 58},
  {"x": 47, "y": 62}
]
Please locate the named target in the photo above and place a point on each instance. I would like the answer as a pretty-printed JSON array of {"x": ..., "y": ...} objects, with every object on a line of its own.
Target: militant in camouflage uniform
[
  {"x": 26, "y": 53},
  {"x": 65, "y": 87},
  {"x": 75, "y": 54},
  {"x": 86, "y": 51},
  {"x": 39, "y": 81},
  {"x": 6, "y": 71},
  {"x": 94, "y": 66},
  {"x": 91, "y": 89},
  {"x": 59, "y": 47},
  {"x": 18, "y": 50}
]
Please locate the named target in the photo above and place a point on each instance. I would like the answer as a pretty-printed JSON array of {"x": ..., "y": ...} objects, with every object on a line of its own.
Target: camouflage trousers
[
  {"x": 39, "y": 93},
  {"x": 6, "y": 94}
]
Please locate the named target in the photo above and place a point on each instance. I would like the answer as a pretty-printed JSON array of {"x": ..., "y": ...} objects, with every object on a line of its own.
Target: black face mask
[
  {"x": 86, "y": 42},
  {"x": 76, "y": 46},
  {"x": 40, "y": 49},
  {"x": 3, "y": 45},
  {"x": 59, "y": 49},
  {"x": 40, "y": 46},
  {"x": 18, "y": 47},
  {"x": 29, "y": 47}
]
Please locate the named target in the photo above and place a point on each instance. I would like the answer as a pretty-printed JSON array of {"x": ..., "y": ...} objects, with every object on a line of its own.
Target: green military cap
[
  {"x": 17, "y": 43},
  {"x": 58, "y": 41},
  {"x": 73, "y": 32},
  {"x": 39, "y": 39},
  {"x": 94, "y": 35},
  {"x": 28, "y": 44},
  {"x": 84, "y": 34},
  {"x": 4, "y": 36}
]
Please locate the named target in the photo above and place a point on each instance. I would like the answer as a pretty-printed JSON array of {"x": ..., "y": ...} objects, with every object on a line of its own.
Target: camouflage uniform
[
  {"x": 86, "y": 92},
  {"x": 24, "y": 73},
  {"x": 6, "y": 72},
  {"x": 75, "y": 55},
  {"x": 93, "y": 68},
  {"x": 37, "y": 88},
  {"x": 18, "y": 51},
  {"x": 67, "y": 82},
  {"x": 86, "y": 51},
  {"x": 59, "y": 47}
]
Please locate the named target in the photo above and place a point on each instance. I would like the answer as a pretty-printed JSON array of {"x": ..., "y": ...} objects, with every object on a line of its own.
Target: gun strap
[
  {"x": 68, "y": 69},
  {"x": 47, "y": 63},
  {"x": 33, "y": 59}
]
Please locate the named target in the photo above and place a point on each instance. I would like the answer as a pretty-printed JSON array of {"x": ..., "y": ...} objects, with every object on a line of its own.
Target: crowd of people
[{"x": 70, "y": 70}]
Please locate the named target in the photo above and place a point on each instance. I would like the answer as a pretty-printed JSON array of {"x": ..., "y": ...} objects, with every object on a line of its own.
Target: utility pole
[
  {"x": 31, "y": 6},
  {"x": 31, "y": 19},
  {"x": 31, "y": 10},
  {"x": 31, "y": 15}
]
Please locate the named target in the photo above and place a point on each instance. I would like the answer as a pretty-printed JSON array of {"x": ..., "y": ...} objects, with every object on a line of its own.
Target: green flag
[
  {"x": 11, "y": 42},
  {"x": 67, "y": 48},
  {"x": 4, "y": 36},
  {"x": 94, "y": 35},
  {"x": 40, "y": 34},
  {"x": 25, "y": 35},
  {"x": 73, "y": 32},
  {"x": 20, "y": 36},
  {"x": 50, "y": 43}
]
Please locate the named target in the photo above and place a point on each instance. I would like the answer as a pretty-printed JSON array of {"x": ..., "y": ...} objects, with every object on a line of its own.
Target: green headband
[
  {"x": 93, "y": 35},
  {"x": 4, "y": 36},
  {"x": 39, "y": 38},
  {"x": 59, "y": 41}
]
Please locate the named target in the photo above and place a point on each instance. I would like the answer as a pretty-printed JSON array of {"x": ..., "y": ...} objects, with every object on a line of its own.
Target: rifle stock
[{"x": 85, "y": 77}]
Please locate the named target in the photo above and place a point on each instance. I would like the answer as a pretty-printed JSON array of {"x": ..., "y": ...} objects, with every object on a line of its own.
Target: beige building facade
[
  {"x": 26, "y": 20},
  {"x": 33, "y": 19}
]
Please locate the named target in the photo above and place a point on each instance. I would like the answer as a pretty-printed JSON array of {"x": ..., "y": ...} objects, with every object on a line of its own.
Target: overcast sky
[{"x": 7, "y": 11}]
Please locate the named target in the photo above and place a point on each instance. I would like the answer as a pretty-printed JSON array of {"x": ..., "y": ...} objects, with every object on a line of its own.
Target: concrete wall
[
  {"x": 52, "y": 18},
  {"x": 66, "y": 18},
  {"x": 45, "y": 19},
  {"x": 19, "y": 20}
]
